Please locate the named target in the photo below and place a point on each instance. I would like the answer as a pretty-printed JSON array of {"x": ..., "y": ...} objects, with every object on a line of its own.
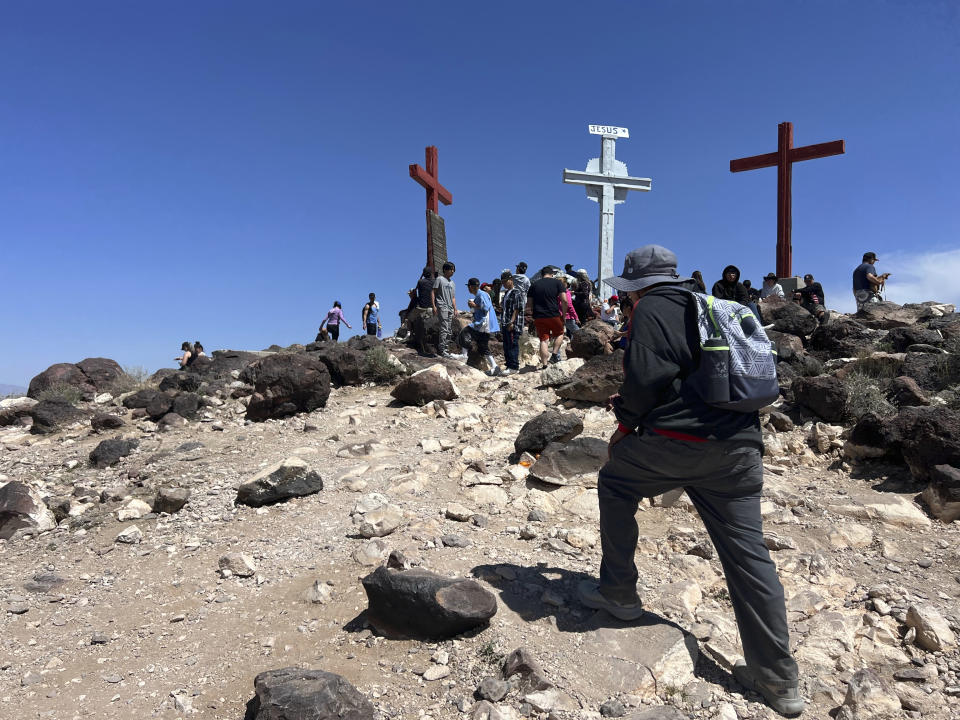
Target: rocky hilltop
[{"x": 355, "y": 531}]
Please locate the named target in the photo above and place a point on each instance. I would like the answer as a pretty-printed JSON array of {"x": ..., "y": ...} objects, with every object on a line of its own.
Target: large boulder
[
  {"x": 21, "y": 508},
  {"x": 62, "y": 374},
  {"x": 185, "y": 381},
  {"x": 572, "y": 463},
  {"x": 427, "y": 385},
  {"x": 294, "y": 693},
  {"x": 51, "y": 415},
  {"x": 282, "y": 481},
  {"x": 103, "y": 373},
  {"x": 843, "y": 337},
  {"x": 926, "y": 437},
  {"x": 942, "y": 495},
  {"x": 901, "y": 338},
  {"x": 362, "y": 342},
  {"x": 560, "y": 373},
  {"x": 887, "y": 315},
  {"x": 160, "y": 404},
  {"x": 88, "y": 376},
  {"x": 933, "y": 373},
  {"x": 904, "y": 392},
  {"x": 788, "y": 317},
  {"x": 547, "y": 427},
  {"x": 345, "y": 362},
  {"x": 824, "y": 395},
  {"x": 948, "y": 325},
  {"x": 422, "y": 604},
  {"x": 109, "y": 452},
  {"x": 594, "y": 338},
  {"x": 186, "y": 405},
  {"x": 12, "y": 409},
  {"x": 286, "y": 384},
  {"x": 598, "y": 379},
  {"x": 106, "y": 421}
]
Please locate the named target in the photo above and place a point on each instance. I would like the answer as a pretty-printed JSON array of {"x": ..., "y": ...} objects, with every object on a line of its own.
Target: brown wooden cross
[
  {"x": 783, "y": 160},
  {"x": 436, "y": 194}
]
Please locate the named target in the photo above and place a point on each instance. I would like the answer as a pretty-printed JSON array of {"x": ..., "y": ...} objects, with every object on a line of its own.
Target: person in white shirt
[
  {"x": 610, "y": 313},
  {"x": 771, "y": 288}
]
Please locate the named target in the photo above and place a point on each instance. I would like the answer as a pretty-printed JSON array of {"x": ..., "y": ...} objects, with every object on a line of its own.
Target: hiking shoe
[
  {"x": 590, "y": 596},
  {"x": 496, "y": 372},
  {"x": 554, "y": 358},
  {"x": 785, "y": 700}
]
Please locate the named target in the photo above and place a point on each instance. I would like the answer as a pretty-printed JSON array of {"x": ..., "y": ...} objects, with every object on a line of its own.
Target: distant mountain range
[{"x": 11, "y": 390}]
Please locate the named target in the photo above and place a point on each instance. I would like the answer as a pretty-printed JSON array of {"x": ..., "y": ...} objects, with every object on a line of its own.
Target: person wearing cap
[
  {"x": 669, "y": 438},
  {"x": 771, "y": 288},
  {"x": 610, "y": 313},
  {"x": 866, "y": 282},
  {"x": 511, "y": 323},
  {"x": 547, "y": 301},
  {"x": 812, "y": 298},
  {"x": 484, "y": 322}
]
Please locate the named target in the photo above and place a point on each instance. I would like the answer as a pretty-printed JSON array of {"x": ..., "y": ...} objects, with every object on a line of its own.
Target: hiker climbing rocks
[
  {"x": 333, "y": 320},
  {"x": 669, "y": 437}
]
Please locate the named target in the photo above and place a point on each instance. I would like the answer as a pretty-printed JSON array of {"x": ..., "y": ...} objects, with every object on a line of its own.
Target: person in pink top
[
  {"x": 571, "y": 320},
  {"x": 333, "y": 320}
]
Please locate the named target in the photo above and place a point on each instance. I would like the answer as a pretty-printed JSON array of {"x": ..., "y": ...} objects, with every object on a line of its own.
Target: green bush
[
  {"x": 865, "y": 396},
  {"x": 61, "y": 391},
  {"x": 378, "y": 366}
]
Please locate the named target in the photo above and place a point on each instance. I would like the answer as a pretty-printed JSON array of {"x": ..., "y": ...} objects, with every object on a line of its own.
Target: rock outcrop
[{"x": 285, "y": 385}]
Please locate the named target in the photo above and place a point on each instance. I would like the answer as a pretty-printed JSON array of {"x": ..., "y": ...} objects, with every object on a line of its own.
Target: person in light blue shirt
[
  {"x": 484, "y": 323},
  {"x": 371, "y": 316}
]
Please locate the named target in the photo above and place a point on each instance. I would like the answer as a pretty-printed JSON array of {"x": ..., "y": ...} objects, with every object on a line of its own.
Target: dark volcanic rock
[
  {"x": 594, "y": 338},
  {"x": 572, "y": 463},
  {"x": 904, "y": 392},
  {"x": 345, "y": 362},
  {"x": 933, "y": 373},
  {"x": 186, "y": 405},
  {"x": 22, "y": 508},
  {"x": 102, "y": 373},
  {"x": 545, "y": 428},
  {"x": 903, "y": 337},
  {"x": 106, "y": 421},
  {"x": 788, "y": 317},
  {"x": 294, "y": 693},
  {"x": 843, "y": 337},
  {"x": 531, "y": 676},
  {"x": 61, "y": 374},
  {"x": 942, "y": 496},
  {"x": 824, "y": 395},
  {"x": 285, "y": 385},
  {"x": 425, "y": 386},
  {"x": 171, "y": 420},
  {"x": 421, "y": 604},
  {"x": 927, "y": 436},
  {"x": 362, "y": 342},
  {"x": 170, "y": 500},
  {"x": 109, "y": 452},
  {"x": 160, "y": 404},
  {"x": 140, "y": 399},
  {"x": 51, "y": 415},
  {"x": 596, "y": 380},
  {"x": 181, "y": 381},
  {"x": 288, "y": 479}
]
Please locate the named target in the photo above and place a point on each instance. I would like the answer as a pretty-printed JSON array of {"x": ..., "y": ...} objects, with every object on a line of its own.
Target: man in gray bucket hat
[{"x": 669, "y": 438}]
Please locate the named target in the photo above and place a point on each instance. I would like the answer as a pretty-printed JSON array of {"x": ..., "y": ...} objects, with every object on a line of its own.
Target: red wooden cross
[
  {"x": 435, "y": 191},
  {"x": 783, "y": 160}
]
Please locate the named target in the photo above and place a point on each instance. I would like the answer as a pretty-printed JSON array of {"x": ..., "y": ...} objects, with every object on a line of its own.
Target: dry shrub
[
  {"x": 378, "y": 365},
  {"x": 864, "y": 395},
  {"x": 61, "y": 391}
]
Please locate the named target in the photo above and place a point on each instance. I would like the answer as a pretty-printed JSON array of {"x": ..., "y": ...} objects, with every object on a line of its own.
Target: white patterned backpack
[{"x": 738, "y": 363}]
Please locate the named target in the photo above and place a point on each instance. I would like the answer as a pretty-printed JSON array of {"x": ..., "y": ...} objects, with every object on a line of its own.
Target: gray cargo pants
[
  {"x": 724, "y": 480},
  {"x": 445, "y": 316}
]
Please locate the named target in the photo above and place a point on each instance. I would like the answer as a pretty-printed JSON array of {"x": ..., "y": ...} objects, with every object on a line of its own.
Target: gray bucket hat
[{"x": 646, "y": 266}]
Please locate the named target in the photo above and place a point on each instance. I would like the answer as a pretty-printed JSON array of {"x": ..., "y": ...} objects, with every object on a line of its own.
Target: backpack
[{"x": 738, "y": 363}]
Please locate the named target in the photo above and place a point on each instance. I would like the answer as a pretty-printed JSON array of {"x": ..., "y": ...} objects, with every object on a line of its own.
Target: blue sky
[{"x": 224, "y": 170}]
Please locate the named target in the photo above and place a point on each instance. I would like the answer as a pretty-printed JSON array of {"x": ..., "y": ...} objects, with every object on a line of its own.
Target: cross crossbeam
[{"x": 783, "y": 160}]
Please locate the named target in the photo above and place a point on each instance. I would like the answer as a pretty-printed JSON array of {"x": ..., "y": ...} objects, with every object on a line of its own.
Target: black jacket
[
  {"x": 735, "y": 291},
  {"x": 664, "y": 348}
]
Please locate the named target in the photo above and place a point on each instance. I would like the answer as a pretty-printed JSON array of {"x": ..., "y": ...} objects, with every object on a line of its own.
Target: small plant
[
  {"x": 139, "y": 373},
  {"x": 509, "y": 397},
  {"x": 379, "y": 366},
  {"x": 61, "y": 391},
  {"x": 865, "y": 396},
  {"x": 488, "y": 654},
  {"x": 871, "y": 366},
  {"x": 135, "y": 377}
]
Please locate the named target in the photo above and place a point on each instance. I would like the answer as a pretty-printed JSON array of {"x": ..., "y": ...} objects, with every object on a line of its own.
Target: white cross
[{"x": 607, "y": 182}]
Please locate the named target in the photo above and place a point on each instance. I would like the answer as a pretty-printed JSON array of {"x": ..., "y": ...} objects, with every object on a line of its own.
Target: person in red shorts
[{"x": 548, "y": 302}]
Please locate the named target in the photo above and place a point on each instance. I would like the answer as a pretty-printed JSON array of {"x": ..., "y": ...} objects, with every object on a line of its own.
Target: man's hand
[
  {"x": 617, "y": 436},
  {"x": 611, "y": 401}
]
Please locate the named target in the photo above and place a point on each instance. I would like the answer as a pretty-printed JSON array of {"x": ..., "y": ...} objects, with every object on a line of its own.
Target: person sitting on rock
[
  {"x": 484, "y": 323},
  {"x": 610, "y": 313},
  {"x": 186, "y": 360},
  {"x": 866, "y": 282},
  {"x": 198, "y": 349},
  {"x": 333, "y": 320},
  {"x": 698, "y": 278},
  {"x": 771, "y": 288},
  {"x": 667, "y": 438},
  {"x": 812, "y": 299}
]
